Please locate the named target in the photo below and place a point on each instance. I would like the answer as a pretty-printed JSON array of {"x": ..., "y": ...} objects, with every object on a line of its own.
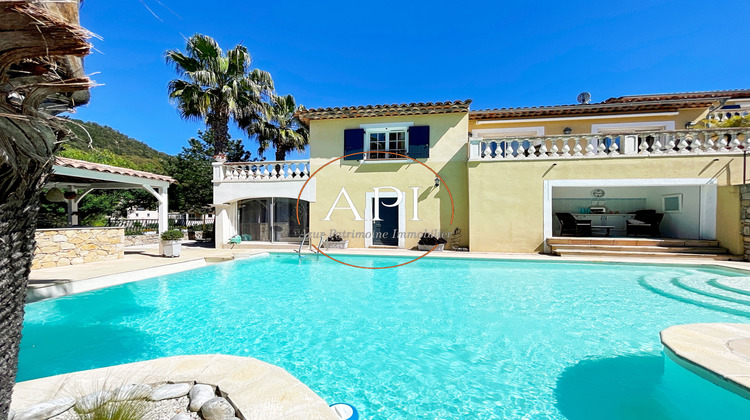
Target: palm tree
[
  {"x": 217, "y": 86},
  {"x": 280, "y": 127},
  {"x": 40, "y": 76}
]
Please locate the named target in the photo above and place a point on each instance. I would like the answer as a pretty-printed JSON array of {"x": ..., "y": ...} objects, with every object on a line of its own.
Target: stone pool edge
[
  {"x": 258, "y": 389},
  {"x": 35, "y": 294},
  {"x": 706, "y": 350}
]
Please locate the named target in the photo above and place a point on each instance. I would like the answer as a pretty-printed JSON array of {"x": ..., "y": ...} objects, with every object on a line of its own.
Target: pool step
[
  {"x": 738, "y": 285},
  {"x": 701, "y": 286},
  {"x": 667, "y": 287}
]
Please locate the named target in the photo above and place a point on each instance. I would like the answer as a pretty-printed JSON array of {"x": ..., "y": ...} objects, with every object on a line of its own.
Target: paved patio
[{"x": 139, "y": 263}]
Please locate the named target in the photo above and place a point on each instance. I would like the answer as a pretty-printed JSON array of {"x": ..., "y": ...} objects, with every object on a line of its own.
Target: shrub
[
  {"x": 429, "y": 240},
  {"x": 171, "y": 235},
  {"x": 335, "y": 238}
]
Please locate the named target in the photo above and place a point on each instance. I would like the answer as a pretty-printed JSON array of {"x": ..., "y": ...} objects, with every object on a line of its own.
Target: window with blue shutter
[
  {"x": 354, "y": 142},
  {"x": 419, "y": 141}
]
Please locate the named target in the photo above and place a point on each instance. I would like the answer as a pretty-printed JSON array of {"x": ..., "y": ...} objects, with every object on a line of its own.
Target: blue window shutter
[
  {"x": 354, "y": 141},
  {"x": 419, "y": 141}
]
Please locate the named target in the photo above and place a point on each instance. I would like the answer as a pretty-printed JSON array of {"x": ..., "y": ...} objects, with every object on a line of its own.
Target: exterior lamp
[
  {"x": 567, "y": 130},
  {"x": 55, "y": 195},
  {"x": 437, "y": 182}
]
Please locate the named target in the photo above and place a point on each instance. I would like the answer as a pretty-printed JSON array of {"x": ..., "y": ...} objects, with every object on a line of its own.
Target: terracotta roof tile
[
  {"x": 711, "y": 94},
  {"x": 421, "y": 108},
  {"x": 588, "y": 109},
  {"x": 98, "y": 167}
]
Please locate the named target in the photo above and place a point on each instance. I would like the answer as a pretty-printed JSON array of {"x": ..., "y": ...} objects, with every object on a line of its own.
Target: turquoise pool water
[{"x": 440, "y": 338}]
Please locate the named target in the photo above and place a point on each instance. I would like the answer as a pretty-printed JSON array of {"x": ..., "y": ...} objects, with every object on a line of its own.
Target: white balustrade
[
  {"x": 585, "y": 146},
  {"x": 286, "y": 170}
]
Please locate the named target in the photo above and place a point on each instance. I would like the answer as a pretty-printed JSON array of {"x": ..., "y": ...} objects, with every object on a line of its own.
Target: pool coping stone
[
  {"x": 258, "y": 389},
  {"x": 717, "y": 352}
]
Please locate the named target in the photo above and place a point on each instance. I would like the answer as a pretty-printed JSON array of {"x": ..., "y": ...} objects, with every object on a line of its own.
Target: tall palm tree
[
  {"x": 40, "y": 76},
  {"x": 280, "y": 127},
  {"x": 217, "y": 86}
]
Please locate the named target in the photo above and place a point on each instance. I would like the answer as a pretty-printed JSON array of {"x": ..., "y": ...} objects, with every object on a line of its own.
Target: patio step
[
  {"x": 635, "y": 253},
  {"x": 673, "y": 288},
  {"x": 638, "y": 248},
  {"x": 641, "y": 248},
  {"x": 630, "y": 241}
]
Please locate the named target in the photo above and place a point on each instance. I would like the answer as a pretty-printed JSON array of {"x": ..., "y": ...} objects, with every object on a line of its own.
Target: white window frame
[
  {"x": 386, "y": 128},
  {"x": 664, "y": 203}
]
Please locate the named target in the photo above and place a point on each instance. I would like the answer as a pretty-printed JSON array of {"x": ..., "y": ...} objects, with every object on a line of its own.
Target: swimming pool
[{"x": 440, "y": 338}]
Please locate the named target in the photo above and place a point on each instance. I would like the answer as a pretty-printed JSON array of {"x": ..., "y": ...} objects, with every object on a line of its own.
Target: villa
[{"x": 503, "y": 175}]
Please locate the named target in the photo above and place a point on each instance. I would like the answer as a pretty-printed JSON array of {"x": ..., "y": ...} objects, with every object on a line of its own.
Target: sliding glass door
[{"x": 272, "y": 219}]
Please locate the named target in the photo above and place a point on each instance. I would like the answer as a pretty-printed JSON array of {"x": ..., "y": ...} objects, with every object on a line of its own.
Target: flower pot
[
  {"x": 337, "y": 244},
  {"x": 429, "y": 247},
  {"x": 170, "y": 248}
]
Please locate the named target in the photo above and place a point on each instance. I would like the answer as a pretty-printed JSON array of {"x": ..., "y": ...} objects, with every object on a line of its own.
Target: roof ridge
[
  {"x": 103, "y": 167},
  {"x": 361, "y": 111}
]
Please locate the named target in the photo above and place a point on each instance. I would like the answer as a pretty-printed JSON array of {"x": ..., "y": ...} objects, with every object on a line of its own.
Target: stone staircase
[{"x": 640, "y": 248}]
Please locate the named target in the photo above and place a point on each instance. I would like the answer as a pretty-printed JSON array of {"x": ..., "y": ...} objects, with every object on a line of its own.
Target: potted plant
[
  {"x": 170, "y": 243},
  {"x": 427, "y": 242},
  {"x": 336, "y": 242}
]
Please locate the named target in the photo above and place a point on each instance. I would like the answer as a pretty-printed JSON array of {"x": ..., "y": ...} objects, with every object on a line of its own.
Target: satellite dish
[{"x": 584, "y": 98}]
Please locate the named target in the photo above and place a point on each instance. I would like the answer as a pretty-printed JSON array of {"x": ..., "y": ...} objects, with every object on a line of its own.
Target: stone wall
[
  {"x": 138, "y": 240},
  {"x": 60, "y": 247},
  {"x": 745, "y": 218}
]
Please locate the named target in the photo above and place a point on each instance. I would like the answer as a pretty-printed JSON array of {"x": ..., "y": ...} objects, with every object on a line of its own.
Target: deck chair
[{"x": 570, "y": 226}]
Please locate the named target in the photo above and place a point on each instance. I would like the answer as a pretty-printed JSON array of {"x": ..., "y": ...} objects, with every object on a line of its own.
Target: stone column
[{"x": 745, "y": 217}]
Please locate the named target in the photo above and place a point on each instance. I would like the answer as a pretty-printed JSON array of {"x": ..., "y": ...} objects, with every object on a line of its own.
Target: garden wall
[
  {"x": 138, "y": 240},
  {"x": 67, "y": 246}
]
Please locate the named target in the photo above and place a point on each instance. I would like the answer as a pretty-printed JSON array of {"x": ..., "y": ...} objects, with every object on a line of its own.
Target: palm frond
[{"x": 218, "y": 87}]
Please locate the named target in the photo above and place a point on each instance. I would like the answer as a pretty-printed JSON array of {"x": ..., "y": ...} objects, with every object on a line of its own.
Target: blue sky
[{"x": 340, "y": 53}]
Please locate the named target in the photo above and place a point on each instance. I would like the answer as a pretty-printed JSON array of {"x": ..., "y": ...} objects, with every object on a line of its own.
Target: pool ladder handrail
[{"x": 309, "y": 242}]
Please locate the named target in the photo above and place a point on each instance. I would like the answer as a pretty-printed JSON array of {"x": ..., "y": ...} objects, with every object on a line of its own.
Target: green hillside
[{"x": 111, "y": 147}]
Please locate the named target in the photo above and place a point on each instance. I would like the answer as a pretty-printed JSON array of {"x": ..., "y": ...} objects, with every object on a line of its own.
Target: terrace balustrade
[
  {"x": 725, "y": 114},
  {"x": 644, "y": 143},
  {"x": 286, "y": 170}
]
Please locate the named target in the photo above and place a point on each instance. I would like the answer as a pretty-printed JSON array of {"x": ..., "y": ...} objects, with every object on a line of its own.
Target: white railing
[
  {"x": 725, "y": 114},
  {"x": 646, "y": 143},
  {"x": 286, "y": 170}
]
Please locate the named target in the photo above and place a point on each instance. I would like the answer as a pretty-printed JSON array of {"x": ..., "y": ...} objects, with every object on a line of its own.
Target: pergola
[{"x": 73, "y": 175}]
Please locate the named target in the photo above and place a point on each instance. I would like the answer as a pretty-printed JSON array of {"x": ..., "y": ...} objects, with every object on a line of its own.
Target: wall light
[{"x": 567, "y": 130}]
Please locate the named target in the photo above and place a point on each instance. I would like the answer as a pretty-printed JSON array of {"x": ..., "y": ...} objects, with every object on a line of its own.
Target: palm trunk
[
  {"x": 218, "y": 122},
  {"x": 29, "y": 142},
  {"x": 280, "y": 153},
  {"x": 18, "y": 212},
  {"x": 32, "y": 33}
]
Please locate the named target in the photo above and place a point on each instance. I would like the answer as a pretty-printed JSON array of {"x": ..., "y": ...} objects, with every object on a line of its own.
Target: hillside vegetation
[{"x": 111, "y": 147}]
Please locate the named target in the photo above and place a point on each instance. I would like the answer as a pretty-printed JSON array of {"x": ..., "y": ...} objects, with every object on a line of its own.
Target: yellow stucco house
[{"x": 506, "y": 179}]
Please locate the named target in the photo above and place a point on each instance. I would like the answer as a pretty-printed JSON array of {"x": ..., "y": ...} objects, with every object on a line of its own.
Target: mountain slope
[{"x": 111, "y": 147}]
